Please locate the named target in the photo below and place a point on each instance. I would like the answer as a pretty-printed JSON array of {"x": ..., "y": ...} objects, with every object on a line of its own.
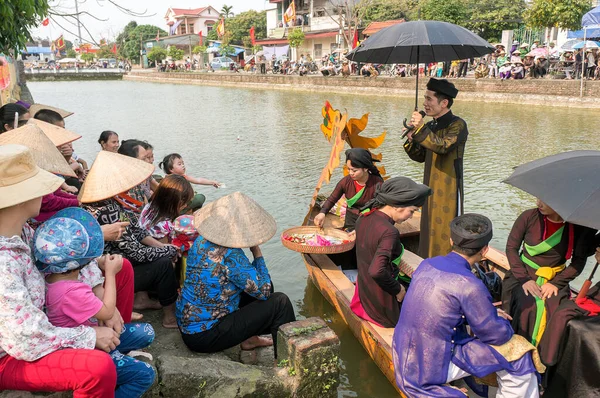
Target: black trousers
[
  {"x": 463, "y": 67},
  {"x": 263, "y": 69},
  {"x": 253, "y": 318},
  {"x": 157, "y": 276}
]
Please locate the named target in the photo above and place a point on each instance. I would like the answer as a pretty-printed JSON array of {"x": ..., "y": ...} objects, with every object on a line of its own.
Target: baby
[
  {"x": 173, "y": 164},
  {"x": 63, "y": 246}
]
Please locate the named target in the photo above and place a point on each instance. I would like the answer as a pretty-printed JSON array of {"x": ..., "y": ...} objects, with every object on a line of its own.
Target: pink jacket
[{"x": 54, "y": 202}]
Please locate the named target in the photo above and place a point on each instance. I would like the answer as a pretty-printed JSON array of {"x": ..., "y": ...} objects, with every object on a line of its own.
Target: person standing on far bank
[{"x": 440, "y": 144}]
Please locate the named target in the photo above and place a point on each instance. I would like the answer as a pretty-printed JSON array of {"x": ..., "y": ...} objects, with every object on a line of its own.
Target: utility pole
[
  {"x": 78, "y": 23},
  {"x": 141, "y": 52}
]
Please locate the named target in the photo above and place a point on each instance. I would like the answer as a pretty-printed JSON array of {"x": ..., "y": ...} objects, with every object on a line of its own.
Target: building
[
  {"x": 319, "y": 19},
  {"x": 181, "y": 21}
]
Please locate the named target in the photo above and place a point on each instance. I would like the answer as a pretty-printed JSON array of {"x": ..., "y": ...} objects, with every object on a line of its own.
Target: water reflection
[{"x": 280, "y": 153}]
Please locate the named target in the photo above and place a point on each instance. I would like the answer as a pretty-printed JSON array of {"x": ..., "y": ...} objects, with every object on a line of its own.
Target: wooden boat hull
[{"x": 339, "y": 290}]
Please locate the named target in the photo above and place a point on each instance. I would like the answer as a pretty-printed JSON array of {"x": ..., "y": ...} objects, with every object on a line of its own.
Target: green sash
[
  {"x": 350, "y": 202},
  {"x": 533, "y": 251},
  {"x": 401, "y": 275}
]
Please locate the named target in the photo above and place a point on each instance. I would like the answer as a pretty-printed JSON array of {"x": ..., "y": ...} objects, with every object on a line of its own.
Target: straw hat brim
[
  {"x": 58, "y": 135},
  {"x": 41, "y": 184},
  {"x": 35, "y": 108},
  {"x": 45, "y": 153},
  {"x": 235, "y": 221},
  {"x": 112, "y": 174}
]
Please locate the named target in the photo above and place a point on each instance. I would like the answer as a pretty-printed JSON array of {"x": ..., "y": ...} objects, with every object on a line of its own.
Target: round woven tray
[{"x": 335, "y": 233}]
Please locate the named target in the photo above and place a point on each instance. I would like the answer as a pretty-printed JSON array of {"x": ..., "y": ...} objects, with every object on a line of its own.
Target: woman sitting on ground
[
  {"x": 172, "y": 196},
  {"x": 7, "y": 117},
  {"x": 29, "y": 345},
  {"x": 109, "y": 141},
  {"x": 538, "y": 247},
  {"x": 226, "y": 299},
  {"x": 381, "y": 285},
  {"x": 152, "y": 260}
]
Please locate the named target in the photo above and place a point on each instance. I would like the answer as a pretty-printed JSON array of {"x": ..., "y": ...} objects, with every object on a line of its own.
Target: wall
[
  {"x": 560, "y": 93},
  {"x": 50, "y": 77}
]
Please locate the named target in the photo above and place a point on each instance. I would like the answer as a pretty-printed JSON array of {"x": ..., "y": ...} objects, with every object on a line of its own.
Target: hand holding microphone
[{"x": 416, "y": 120}]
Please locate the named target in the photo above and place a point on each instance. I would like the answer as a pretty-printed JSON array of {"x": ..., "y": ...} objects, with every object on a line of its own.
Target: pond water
[{"x": 267, "y": 144}]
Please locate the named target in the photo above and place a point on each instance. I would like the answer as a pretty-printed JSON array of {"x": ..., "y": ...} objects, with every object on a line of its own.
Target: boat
[{"x": 335, "y": 286}]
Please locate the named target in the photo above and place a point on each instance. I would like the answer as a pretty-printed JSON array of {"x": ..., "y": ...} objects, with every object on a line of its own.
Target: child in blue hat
[{"x": 64, "y": 245}]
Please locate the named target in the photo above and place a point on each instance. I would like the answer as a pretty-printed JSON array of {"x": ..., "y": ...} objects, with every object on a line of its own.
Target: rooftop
[{"x": 375, "y": 27}]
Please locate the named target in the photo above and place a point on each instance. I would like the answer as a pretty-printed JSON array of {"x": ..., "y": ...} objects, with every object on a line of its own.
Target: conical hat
[
  {"x": 45, "y": 153},
  {"x": 35, "y": 108},
  {"x": 112, "y": 174},
  {"x": 58, "y": 135},
  {"x": 235, "y": 221}
]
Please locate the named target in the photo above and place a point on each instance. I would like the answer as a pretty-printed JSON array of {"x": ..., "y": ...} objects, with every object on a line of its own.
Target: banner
[
  {"x": 200, "y": 39},
  {"x": 290, "y": 13},
  {"x": 252, "y": 38},
  {"x": 221, "y": 27},
  {"x": 173, "y": 30},
  {"x": 114, "y": 49},
  {"x": 59, "y": 43}
]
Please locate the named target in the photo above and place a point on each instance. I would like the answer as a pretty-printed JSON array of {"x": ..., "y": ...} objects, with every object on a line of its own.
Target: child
[
  {"x": 64, "y": 246},
  {"x": 173, "y": 194},
  {"x": 173, "y": 164}
]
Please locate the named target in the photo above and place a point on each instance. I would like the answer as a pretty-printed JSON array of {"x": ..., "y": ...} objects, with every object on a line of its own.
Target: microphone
[{"x": 410, "y": 127}]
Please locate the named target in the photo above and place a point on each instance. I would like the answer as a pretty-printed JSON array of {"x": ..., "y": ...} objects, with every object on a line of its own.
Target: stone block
[
  {"x": 309, "y": 350},
  {"x": 207, "y": 377}
]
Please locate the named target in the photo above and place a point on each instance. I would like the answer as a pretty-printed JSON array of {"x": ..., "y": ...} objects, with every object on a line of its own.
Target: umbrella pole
[
  {"x": 586, "y": 285},
  {"x": 417, "y": 88},
  {"x": 583, "y": 60}
]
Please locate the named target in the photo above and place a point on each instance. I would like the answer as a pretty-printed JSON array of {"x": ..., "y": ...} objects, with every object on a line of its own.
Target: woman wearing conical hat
[
  {"x": 227, "y": 299},
  {"x": 102, "y": 196},
  {"x": 29, "y": 345}
]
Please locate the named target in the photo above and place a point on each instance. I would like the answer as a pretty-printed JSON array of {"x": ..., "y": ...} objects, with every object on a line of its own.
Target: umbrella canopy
[
  {"x": 67, "y": 60},
  {"x": 591, "y": 19},
  {"x": 538, "y": 52},
  {"x": 568, "y": 45},
  {"x": 568, "y": 182},
  {"x": 420, "y": 41},
  {"x": 587, "y": 44}
]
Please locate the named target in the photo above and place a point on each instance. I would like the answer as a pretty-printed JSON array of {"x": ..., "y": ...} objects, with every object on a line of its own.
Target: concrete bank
[
  {"x": 546, "y": 92},
  {"x": 51, "y": 76}
]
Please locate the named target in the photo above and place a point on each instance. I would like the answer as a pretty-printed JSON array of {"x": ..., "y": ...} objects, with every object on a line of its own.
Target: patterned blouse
[
  {"x": 159, "y": 230},
  {"x": 215, "y": 278},
  {"x": 25, "y": 333},
  {"x": 130, "y": 245}
]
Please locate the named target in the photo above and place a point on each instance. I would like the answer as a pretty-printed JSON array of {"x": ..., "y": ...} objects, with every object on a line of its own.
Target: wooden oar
[{"x": 586, "y": 285}]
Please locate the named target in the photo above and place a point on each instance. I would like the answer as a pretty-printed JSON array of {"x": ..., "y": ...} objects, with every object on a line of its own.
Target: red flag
[
  {"x": 355, "y": 40},
  {"x": 45, "y": 22},
  {"x": 252, "y": 38},
  {"x": 158, "y": 35},
  {"x": 114, "y": 49},
  {"x": 200, "y": 38}
]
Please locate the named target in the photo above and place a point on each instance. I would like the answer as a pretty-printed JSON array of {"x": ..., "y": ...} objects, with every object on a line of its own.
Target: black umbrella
[
  {"x": 568, "y": 182},
  {"x": 420, "y": 41}
]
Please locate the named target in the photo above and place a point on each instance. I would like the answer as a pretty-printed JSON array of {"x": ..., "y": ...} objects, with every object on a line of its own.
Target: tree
[
  {"x": 71, "y": 53},
  {"x": 199, "y": 50},
  {"x": 175, "y": 53},
  {"x": 296, "y": 37},
  {"x": 239, "y": 26},
  {"x": 453, "y": 11},
  {"x": 87, "y": 57},
  {"x": 157, "y": 54},
  {"x": 565, "y": 14},
  {"x": 129, "y": 39},
  {"x": 384, "y": 10},
  {"x": 16, "y": 20},
  {"x": 105, "y": 52},
  {"x": 226, "y": 11},
  {"x": 488, "y": 18},
  {"x": 212, "y": 35}
]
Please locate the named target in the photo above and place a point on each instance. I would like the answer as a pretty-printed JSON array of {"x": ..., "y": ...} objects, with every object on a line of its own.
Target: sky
[{"x": 114, "y": 20}]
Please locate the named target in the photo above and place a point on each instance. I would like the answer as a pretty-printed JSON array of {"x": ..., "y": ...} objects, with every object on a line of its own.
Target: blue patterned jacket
[{"x": 215, "y": 277}]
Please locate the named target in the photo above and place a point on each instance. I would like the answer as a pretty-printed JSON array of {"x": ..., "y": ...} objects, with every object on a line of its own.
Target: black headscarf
[
  {"x": 7, "y": 114},
  {"x": 471, "y": 231},
  {"x": 362, "y": 158},
  {"x": 399, "y": 192}
]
